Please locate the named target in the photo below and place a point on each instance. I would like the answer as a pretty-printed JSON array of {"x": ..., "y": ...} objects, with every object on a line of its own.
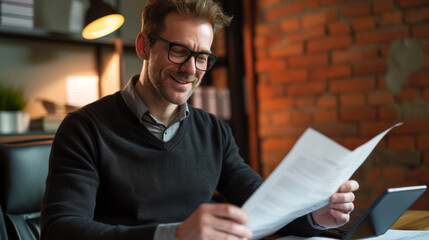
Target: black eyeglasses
[{"x": 179, "y": 54}]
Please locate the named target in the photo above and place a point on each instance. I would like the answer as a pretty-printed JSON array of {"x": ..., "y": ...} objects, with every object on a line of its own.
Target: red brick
[
  {"x": 275, "y": 104},
  {"x": 421, "y": 32},
  {"x": 278, "y": 143},
  {"x": 401, "y": 143},
  {"x": 328, "y": 44},
  {"x": 261, "y": 54},
  {"x": 420, "y": 174},
  {"x": 393, "y": 18},
  {"x": 339, "y": 28},
  {"x": 301, "y": 117},
  {"x": 263, "y": 119},
  {"x": 352, "y": 100},
  {"x": 281, "y": 118},
  {"x": 331, "y": 72},
  {"x": 320, "y": 60},
  {"x": 394, "y": 175},
  {"x": 332, "y": 2},
  {"x": 381, "y": 6},
  {"x": 417, "y": 15},
  {"x": 361, "y": 24},
  {"x": 306, "y": 34},
  {"x": 285, "y": 76},
  {"x": 416, "y": 126},
  {"x": 426, "y": 158},
  {"x": 269, "y": 65},
  {"x": 327, "y": 102},
  {"x": 426, "y": 94},
  {"x": 325, "y": 116},
  {"x": 354, "y": 55},
  {"x": 380, "y": 98},
  {"x": 412, "y": 3},
  {"x": 289, "y": 25},
  {"x": 356, "y": 10},
  {"x": 274, "y": 38},
  {"x": 269, "y": 91},
  {"x": 358, "y": 114},
  {"x": 283, "y": 10},
  {"x": 314, "y": 19},
  {"x": 408, "y": 94},
  {"x": 264, "y": 29},
  {"x": 259, "y": 41},
  {"x": 294, "y": 130},
  {"x": 419, "y": 79},
  {"x": 382, "y": 36},
  {"x": 423, "y": 142},
  {"x": 387, "y": 113},
  {"x": 261, "y": 4},
  {"x": 374, "y": 128},
  {"x": 352, "y": 85},
  {"x": 286, "y": 50},
  {"x": 302, "y": 102},
  {"x": 306, "y": 88},
  {"x": 373, "y": 67},
  {"x": 373, "y": 175},
  {"x": 312, "y": 4}
]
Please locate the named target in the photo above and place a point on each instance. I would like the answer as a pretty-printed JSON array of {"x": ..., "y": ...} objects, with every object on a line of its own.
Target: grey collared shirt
[{"x": 141, "y": 111}]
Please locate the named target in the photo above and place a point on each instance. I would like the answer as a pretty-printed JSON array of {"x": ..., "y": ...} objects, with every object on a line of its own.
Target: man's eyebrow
[{"x": 184, "y": 45}]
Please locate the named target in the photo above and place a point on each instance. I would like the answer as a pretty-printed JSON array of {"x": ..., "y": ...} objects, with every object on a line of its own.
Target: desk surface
[
  {"x": 410, "y": 220},
  {"x": 413, "y": 220}
]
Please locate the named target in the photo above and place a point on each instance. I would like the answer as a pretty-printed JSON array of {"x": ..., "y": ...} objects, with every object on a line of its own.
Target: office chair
[{"x": 23, "y": 172}]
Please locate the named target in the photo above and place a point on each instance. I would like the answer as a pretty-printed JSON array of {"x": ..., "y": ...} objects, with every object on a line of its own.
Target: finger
[
  {"x": 231, "y": 212},
  {"x": 349, "y": 186},
  {"x": 231, "y": 228},
  {"x": 343, "y": 207},
  {"x": 342, "y": 197},
  {"x": 341, "y": 218}
]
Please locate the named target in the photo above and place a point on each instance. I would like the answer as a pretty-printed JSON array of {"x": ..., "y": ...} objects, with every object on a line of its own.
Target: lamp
[{"x": 101, "y": 19}]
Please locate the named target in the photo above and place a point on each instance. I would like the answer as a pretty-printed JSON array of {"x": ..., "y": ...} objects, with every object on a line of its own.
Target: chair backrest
[{"x": 23, "y": 172}]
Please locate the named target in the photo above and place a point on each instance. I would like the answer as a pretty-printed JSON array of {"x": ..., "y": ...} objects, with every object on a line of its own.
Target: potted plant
[{"x": 12, "y": 103}]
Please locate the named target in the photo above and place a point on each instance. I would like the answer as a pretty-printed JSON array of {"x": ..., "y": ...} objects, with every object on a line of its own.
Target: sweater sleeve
[{"x": 71, "y": 189}]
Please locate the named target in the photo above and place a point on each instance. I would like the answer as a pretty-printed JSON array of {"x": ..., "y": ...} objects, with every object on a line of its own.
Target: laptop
[{"x": 381, "y": 215}]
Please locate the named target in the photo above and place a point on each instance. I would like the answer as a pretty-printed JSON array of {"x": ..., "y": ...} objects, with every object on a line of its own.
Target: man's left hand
[{"x": 337, "y": 212}]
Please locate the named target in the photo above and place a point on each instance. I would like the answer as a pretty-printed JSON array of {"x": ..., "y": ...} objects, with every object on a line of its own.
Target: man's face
[{"x": 175, "y": 83}]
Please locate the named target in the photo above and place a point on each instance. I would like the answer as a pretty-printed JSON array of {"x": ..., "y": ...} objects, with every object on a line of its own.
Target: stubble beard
[{"x": 160, "y": 85}]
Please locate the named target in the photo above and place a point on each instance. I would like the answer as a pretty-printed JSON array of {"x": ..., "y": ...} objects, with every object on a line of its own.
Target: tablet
[{"x": 382, "y": 214}]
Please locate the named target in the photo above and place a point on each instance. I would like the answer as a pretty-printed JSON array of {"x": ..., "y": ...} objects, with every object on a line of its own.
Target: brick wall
[{"x": 323, "y": 63}]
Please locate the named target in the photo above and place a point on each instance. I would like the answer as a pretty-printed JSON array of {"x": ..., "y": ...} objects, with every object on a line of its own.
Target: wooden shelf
[{"x": 58, "y": 37}]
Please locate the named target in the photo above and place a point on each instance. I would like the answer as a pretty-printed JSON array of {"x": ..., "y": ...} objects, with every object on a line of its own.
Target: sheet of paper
[
  {"x": 389, "y": 235},
  {"x": 304, "y": 180}
]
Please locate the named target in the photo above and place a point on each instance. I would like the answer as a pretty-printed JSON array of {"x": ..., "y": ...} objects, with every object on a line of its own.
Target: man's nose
[{"x": 189, "y": 66}]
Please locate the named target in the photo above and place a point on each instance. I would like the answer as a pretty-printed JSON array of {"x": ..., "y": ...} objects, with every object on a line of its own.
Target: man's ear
[{"x": 142, "y": 42}]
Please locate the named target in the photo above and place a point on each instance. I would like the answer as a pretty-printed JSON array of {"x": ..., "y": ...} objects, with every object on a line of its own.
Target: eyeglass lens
[{"x": 180, "y": 54}]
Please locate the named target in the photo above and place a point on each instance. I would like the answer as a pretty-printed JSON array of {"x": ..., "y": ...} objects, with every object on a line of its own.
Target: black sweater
[{"x": 110, "y": 178}]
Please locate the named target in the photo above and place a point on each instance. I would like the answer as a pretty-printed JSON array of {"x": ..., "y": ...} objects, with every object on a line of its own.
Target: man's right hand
[{"x": 215, "y": 221}]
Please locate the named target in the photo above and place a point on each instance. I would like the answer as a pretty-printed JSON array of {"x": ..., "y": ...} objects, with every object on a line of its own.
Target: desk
[
  {"x": 410, "y": 220},
  {"x": 413, "y": 220}
]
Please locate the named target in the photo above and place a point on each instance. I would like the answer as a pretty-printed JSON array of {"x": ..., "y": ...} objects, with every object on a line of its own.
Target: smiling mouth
[{"x": 180, "y": 81}]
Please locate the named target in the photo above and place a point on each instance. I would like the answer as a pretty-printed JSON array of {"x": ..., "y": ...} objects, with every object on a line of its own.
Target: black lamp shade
[{"x": 100, "y": 20}]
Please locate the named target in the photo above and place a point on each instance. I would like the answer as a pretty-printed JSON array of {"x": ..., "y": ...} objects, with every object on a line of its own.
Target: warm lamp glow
[{"x": 103, "y": 26}]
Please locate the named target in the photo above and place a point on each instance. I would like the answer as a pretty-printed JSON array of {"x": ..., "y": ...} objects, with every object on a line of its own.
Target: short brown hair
[{"x": 155, "y": 11}]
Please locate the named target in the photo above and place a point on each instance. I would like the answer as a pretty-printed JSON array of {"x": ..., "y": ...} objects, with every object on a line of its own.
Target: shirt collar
[{"x": 138, "y": 107}]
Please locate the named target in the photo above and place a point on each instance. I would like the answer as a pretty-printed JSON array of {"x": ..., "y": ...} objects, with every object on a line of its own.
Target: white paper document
[
  {"x": 389, "y": 235},
  {"x": 304, "y": 180}
]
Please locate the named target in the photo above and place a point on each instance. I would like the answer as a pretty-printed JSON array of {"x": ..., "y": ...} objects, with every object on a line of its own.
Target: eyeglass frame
[{"x": 192, "y": 53}]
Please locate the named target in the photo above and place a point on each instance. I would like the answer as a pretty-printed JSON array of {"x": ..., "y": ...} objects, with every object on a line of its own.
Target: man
[{"x": 142, "y": 164}]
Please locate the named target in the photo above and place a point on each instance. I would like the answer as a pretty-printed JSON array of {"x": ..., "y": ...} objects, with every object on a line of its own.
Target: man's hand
[
  {"x": 215, "y": 221},
  {"x": 337, "y": 212}
]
